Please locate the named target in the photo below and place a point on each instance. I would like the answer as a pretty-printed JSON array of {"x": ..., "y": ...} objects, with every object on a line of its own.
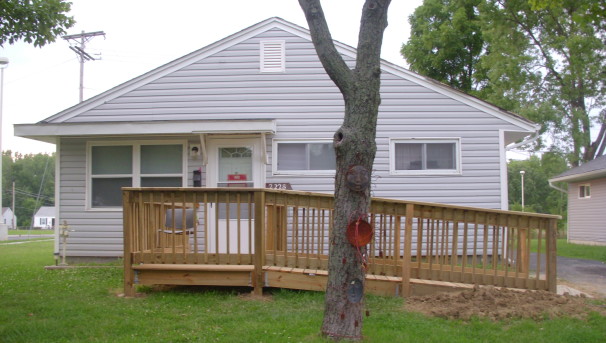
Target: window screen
[
  {"x": 425, "y": 156},
  {"x": 305, "y": 156}
]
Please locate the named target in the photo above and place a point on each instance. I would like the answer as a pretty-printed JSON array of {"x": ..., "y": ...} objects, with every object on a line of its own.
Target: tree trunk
[{"x": 355, "y": 146}]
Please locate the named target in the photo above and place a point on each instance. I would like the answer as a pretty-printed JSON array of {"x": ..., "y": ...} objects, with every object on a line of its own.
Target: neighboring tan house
[
  {"x": 586, "y": 202},
  {"x": 255, "y": 108},
  {"x": 44, "y": 218},
  {"x": 9, "y": 218}
]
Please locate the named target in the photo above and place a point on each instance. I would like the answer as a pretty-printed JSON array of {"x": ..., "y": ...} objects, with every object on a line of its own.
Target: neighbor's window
[
  {"x": 413, "y": 156},
  {"x": 132, "y": 165},
  {"x": 584, "y": 191},
  {"x": 304, "y": 157}
]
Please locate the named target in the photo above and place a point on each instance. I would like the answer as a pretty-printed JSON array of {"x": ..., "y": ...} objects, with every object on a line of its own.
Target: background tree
[
  {"x": 34, "y": 177},
  {"x": 446, "y": 43},
  {"x": 355, "y": 148},
  {"x": 35, "y": 21},
  {"x": 547, "y": 63},
  {"x": 538, "y": 195},
  {"x": 555, "y": 64}
]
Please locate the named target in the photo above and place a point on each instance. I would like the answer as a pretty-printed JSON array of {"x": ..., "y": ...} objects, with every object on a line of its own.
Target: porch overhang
[{"x": 50, "y": 132}]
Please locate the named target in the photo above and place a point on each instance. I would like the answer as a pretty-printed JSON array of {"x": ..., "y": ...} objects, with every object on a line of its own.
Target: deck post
[
  {"x": 410, "y": 212},
  {"x": 259, "y": 257},
  {"x": 129, "y": 275},
  {"x": 551, "y": 258}
]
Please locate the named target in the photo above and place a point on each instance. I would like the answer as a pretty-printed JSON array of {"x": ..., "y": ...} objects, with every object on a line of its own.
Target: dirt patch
[{"x": 502, "y": 303}]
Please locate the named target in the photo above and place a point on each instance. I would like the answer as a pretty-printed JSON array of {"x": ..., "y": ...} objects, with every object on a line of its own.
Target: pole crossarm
[{"x": 83, "y": 56}]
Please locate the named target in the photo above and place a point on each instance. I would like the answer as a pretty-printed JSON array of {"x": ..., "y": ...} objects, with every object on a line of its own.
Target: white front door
[{"x": 233, "y": 162}]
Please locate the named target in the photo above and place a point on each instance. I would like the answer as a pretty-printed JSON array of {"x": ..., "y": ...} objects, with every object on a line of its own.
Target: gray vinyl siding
[
  {"x": 306, "y": 105},
  {"x": 586, "y": 217},
  {"x": 95, "y": 233}
]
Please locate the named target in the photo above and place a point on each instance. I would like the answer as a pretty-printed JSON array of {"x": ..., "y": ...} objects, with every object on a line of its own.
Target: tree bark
[{"x": 355, "y": 146}]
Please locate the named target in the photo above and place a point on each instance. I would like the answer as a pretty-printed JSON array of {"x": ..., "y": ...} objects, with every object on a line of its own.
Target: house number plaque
[{"x": 279, "y": 185}]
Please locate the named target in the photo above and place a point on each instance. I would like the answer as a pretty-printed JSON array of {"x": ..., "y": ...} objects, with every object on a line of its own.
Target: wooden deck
[{"x": 269, "y": 238}]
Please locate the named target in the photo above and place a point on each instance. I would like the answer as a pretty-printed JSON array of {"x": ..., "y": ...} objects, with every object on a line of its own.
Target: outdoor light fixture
[{"x": 3, "y": 65}]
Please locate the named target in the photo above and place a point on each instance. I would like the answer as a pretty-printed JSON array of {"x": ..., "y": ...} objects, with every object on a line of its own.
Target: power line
[{"x": 82, "y": 39}]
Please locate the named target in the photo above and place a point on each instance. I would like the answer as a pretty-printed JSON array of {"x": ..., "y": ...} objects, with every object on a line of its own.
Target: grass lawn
[
  {"x": 80, "y": 305},
  {"x": 31, "y": 232},
  {"x": 586, "y": 252}
]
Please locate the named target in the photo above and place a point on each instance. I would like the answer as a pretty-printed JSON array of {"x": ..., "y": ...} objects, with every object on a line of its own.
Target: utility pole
[
  {"x": 82, "y": 39},
  {"x": 13, "y": 226}
]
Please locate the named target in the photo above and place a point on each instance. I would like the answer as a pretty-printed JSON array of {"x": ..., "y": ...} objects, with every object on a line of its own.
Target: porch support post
[
  {"x": 129, "y": 275},
  {"x": 259, "y": 258},
  {"x": 410, "y": 212},
  {"x": 552, "y": 255}
]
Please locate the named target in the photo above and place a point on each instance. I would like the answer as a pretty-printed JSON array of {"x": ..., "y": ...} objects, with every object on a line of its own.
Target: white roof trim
[{"x": 47, "y": 132}]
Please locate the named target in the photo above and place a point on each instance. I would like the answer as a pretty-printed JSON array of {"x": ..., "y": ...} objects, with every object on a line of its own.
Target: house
[
  {"x": 44, "y": 218},
  {"x": 257, "y": 109},
  {"x": 586, "y": 201},
  {"x": 9, "y": 218}
]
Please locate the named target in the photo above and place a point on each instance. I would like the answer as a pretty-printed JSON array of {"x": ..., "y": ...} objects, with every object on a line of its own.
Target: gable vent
[{"x": 273, "y": 57}]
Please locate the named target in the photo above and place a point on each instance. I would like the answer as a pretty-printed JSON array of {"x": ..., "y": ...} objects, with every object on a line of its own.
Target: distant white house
[
  {"x": 44, "y": 218},
  {"x": 9, "y": 218}
]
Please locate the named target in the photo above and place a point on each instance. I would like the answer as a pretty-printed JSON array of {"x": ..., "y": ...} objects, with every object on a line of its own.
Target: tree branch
[
  {"x": 599, "y": 145},
  {"x": 333, "y": 63},
  {"x": 370, "y": 38}
]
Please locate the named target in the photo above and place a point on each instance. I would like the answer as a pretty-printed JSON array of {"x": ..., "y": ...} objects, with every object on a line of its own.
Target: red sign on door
[{"x": 236, "y": 177}]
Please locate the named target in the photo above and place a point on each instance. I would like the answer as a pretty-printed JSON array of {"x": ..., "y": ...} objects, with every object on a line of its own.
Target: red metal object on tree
[{"x": 359, "y": 233}]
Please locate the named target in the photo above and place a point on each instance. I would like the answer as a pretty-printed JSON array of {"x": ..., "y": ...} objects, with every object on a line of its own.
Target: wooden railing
[{"x": 251, "y": 230}]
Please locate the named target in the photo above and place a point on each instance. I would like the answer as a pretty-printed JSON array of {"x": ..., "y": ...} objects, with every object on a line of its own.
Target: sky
[{"x": 141, "y": 35}]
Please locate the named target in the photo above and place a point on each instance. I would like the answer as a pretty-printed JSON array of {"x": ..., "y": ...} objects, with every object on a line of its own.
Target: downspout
[
  {"x": 529, "y": 140},
  {"x": 57, "y": 198},
  {"x": 557, "y": 188}
]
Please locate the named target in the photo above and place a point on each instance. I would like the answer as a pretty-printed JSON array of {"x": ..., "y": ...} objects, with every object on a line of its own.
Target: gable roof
[
  {"x": 45, "y": 211},
  {"x": 591, "y": 170},
  {"x": 59, "y": 124}
]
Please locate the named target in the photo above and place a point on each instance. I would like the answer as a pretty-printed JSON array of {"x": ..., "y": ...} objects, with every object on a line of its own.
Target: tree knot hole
[{"x": 338, "y": 137}]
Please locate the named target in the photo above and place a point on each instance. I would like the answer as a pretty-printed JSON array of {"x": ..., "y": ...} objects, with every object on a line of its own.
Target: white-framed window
[
  {"x": 111, "y": 166},
  {"x": 427, "y": 156},
  {"x": 273, "y": 56},
  {"x": 294, "y": 157},
  {"x": 584, "y": 191}
]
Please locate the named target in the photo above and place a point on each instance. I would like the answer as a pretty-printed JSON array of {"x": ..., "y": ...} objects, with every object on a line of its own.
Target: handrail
[{"x": 413, "y": 240}]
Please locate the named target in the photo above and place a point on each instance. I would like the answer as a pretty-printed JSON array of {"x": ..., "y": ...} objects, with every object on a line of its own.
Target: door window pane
[
  {"x": 161, "y": 159},
  {"x": 235, "y": 167},
  {"x": 112, "y": 159}
]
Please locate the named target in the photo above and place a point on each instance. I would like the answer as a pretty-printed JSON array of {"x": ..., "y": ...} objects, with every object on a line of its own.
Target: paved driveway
[{"x": 587, "y": 275}]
